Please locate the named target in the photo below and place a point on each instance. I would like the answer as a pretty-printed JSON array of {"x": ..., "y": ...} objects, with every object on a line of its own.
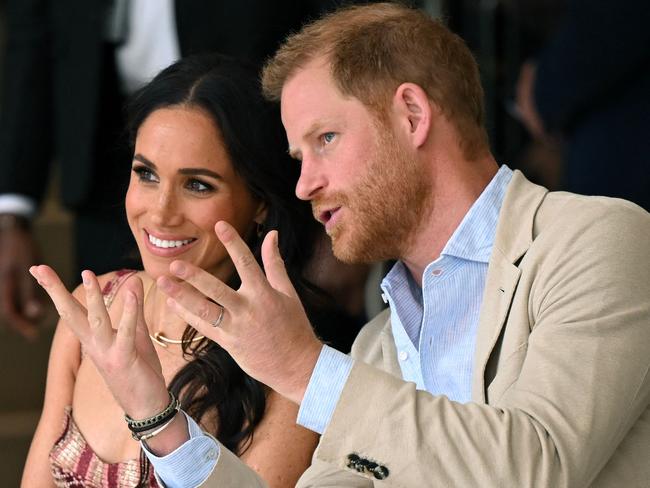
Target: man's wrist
[
  {"x": 324, "y": 389},
  {"x": 302, "y": 375}
]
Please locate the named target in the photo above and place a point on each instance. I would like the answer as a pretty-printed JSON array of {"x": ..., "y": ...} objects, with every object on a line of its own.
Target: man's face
[{"x": 364, "y": 185}]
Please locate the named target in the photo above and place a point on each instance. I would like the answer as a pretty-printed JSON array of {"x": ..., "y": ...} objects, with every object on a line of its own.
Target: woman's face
[{"x": 182, "y": 183}]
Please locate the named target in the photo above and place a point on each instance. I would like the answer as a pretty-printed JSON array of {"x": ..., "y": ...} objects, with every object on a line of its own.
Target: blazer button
[
  {"x": 380, "y": 472},
  {"x": 353, "y": 459},
  {"x": 362, "y": 465}
]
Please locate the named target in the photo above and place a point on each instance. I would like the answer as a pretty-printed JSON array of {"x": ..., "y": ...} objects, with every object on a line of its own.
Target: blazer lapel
[
  {"x": 513, "y": 237},
  {"x": 500, "y": 286}
]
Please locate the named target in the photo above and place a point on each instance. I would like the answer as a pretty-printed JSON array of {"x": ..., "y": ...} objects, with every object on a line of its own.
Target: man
[{"x": 516, "y": 350}]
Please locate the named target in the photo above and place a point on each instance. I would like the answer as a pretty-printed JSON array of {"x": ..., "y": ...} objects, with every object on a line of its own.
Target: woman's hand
[{"x": 125, "y": 357}]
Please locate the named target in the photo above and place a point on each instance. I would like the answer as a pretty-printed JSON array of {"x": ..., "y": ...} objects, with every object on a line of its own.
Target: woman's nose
[{"x": 166, "y": 209}]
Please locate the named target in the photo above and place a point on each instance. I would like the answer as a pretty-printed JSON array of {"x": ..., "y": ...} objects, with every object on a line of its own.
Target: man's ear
[{"x": 414, "y": 112}]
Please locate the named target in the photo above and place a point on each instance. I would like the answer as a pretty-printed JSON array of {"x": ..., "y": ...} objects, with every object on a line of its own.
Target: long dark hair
[{"x": 229, "y": 92}]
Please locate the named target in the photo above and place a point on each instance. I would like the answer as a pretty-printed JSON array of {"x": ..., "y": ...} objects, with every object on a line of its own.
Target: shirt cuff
[
  {"x": 190, "y": 464},
  {"x": 15, "y": 204},
  {"x": 324, "y": 389}
]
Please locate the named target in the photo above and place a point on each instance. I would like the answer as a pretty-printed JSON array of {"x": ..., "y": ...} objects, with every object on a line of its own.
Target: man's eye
[
  {"x": 327, "y": 137},
  {"x": 198, "y": 186},
  {"x": 144, "y": 174}
]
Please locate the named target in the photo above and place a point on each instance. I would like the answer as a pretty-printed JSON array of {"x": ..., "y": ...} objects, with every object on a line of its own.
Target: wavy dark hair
[{"x": 254, "y": 139}]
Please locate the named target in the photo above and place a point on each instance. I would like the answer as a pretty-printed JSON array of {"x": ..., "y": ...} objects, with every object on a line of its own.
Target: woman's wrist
[
  {"x": 144, "y": 428},
  {"x": 169, "y": 439},
  {"x": 150, "y": 406}
]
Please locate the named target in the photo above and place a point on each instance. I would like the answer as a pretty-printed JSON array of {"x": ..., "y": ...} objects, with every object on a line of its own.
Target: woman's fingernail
[{"x": 85, "y": 278}]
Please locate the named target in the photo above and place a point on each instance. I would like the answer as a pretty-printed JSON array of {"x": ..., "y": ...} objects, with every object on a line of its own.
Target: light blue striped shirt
[{"x": 434, "y": 328}]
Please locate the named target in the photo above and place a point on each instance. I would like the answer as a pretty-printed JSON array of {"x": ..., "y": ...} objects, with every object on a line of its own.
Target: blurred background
[{"x": 566, "y": 95}]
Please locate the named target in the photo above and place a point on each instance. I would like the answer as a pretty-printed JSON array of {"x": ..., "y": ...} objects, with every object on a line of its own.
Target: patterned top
[{"x": 73, "y": 462}]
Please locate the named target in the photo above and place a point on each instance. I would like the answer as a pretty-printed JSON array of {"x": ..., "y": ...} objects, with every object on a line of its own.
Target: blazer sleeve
[
  {"x": 324, "y": 475},
  {"x": 26, "y": 115},
  {"x": 232, "y": 472},
  {"x": 600, "y": 49},
  {"x": 580, "y": 379}
]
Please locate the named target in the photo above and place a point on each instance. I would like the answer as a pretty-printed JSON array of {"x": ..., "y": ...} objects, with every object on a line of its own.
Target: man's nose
[{"x": 312, "y": 180}]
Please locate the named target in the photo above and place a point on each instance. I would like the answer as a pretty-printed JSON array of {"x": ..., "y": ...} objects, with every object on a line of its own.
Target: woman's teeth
[{"x": 166, "y": 244}]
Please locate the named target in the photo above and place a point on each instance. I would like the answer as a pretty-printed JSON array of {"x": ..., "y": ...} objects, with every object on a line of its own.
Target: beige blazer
[{"x": 561, "y": 389}]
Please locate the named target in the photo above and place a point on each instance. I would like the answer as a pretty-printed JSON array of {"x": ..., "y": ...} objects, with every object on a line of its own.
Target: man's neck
[{"x": 456, "y": 186}]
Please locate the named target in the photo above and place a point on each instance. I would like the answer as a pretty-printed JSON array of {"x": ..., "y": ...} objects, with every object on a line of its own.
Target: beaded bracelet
[{"x": 144, "y": 425}]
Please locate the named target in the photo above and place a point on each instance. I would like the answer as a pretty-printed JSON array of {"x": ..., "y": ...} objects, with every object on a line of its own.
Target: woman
[{"x": 206, "y": 148}]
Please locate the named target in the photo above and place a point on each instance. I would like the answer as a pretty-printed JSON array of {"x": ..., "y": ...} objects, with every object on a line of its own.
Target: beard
[{"x": 385, "y": 208}]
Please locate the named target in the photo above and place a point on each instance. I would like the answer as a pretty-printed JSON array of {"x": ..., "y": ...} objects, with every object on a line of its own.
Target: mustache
[{"x": 319, "y": 205}]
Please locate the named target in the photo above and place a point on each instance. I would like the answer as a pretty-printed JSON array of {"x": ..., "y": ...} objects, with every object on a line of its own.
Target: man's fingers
[
  {"x": 206, "y": 284},
  {"x": 191, "y": 299},
  {"x": 98, "y": 319},
  {"x": 69, "y": 309},
  {"x": 204, "y": 327},
  {"x": 247, "y": 267},
  {"x": 276, "y": 272}
]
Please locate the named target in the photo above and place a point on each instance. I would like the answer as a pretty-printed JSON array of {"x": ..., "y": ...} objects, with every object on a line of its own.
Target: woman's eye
[
  {"x": 145, "y": 174},
  {"x": 198, "y": 186},
  {"x": 327, "y": 137}
]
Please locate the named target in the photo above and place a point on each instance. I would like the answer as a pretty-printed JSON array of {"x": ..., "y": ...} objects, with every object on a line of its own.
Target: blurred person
[
  {"x": 67, "y": 69},
  {"x": 590, "y": 85},
  {"x": 516, "y": 349},
  {"x": 207, "y": 147}
]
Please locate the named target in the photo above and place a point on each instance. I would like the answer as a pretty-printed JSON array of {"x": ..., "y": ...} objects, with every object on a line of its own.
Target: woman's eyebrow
[
  {"x": 143, "y": 160},
  {"x": 201, "y": 172}
]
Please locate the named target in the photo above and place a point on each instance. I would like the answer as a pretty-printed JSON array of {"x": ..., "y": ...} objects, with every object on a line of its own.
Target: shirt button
[
  {"x": 436, "y": 272},
  {"x": 211, "y": 455},
  {"x": 403, "y": 355}
]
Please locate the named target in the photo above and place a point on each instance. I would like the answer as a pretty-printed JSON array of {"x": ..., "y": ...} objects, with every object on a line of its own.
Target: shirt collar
[{"x": 474, "y": 237}]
